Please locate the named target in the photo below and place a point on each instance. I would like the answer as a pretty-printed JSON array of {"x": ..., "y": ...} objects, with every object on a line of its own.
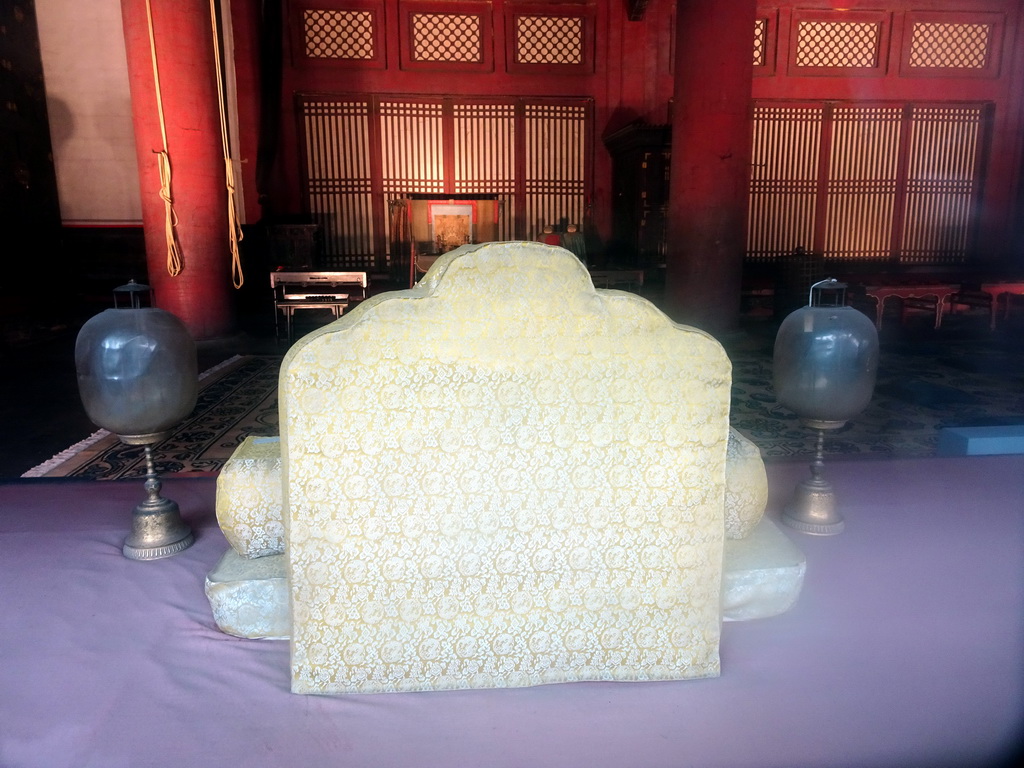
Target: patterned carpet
[
  {"x": 924, "y": 384},
  {"x": 237, "y": 398}
]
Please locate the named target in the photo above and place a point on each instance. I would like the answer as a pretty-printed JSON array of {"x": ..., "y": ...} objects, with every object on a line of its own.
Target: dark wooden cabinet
[{"x": 640, "y": 180}]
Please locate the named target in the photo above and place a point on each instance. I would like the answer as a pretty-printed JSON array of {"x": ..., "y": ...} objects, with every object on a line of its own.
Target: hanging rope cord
[
  {"x": 234, "y": 227},
  {"x": 164, "y": 164}
]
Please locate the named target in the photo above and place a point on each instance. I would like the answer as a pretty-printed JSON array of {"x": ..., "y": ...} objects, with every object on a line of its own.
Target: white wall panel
[{"x": 89, "y": 105}]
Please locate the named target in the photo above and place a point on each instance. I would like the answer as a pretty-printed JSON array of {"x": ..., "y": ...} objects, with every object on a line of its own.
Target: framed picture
[{"x": 451, "y": 224}]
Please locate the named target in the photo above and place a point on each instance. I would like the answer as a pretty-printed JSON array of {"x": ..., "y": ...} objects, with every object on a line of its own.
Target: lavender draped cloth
[{"x": 905, "y": 648}]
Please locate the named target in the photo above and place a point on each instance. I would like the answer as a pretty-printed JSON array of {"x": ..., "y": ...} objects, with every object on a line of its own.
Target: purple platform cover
[{"x": 906, "y": 648}]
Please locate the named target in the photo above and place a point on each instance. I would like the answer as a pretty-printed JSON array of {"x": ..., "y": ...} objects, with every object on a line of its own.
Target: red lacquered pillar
[
  {"x": 201, "y": 293},
  {"x": 710, "y": 170}
]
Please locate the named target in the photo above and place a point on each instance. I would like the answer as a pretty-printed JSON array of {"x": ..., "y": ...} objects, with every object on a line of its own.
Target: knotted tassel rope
[
  {"x": 234, "y": 227},
  {"x": 164, "y": 164}
]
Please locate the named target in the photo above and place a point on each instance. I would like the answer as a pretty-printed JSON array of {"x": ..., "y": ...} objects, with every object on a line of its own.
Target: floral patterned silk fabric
[
  {"x": 746, "y": 487},
  {"x": 762, "y": 573},
  {"x": 251, "y": 514},
  {"x": 503, "y": 477},
  {"x": 249, "y": 506}
]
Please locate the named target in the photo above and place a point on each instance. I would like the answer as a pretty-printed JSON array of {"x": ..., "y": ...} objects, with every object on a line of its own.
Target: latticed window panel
[
  {"x": 862, "y": 183},
  {"x": 363, "y": 152},
  {"x": 837, "y": 44},
  {"x": 898, "y": 179},
  {"x": 446, "y": 37},
  {"x": 549, "y": 40},
  {"x": 485, "y": 142},
  {"x": 784, "y": 180},
  {"x": 339, "y": 34},
  {"x": 941, "y": 185},
  {"x": 949, "y": 45},
  {"x": 555, "y": 160},
  {"x": 338, "y": 178},
  {"x": 760, "y": 42},
  {"x": 412, "y": 149}
]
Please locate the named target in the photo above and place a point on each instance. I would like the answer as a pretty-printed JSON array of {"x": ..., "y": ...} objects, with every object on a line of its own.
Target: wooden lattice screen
[
  {"x": 866, "y": 181},
  {"x": 555, "y": 165},
  {"x": 411, "y": 152},
  {"x": 363, "y": 152},
  {"x": 485, "y": 156},
  {"x": 862, "y": 180},
  {"x": 339, "y": 180},
  {"x": 784, "y": 179},
  {"x": 941, "y": 182}
]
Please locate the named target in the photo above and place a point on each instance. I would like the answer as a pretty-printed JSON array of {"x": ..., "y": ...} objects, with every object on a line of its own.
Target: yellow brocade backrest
[{"x": 503, "y": 477}]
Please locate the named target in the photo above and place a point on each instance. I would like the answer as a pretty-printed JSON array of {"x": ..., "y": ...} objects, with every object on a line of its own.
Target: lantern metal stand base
[
  {"x": 813, "y": 506},
  {"x": 157, "y": 528}
]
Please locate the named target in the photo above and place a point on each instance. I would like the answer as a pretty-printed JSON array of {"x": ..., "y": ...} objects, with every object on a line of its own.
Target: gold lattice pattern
[
  {"x": 837, "y": 44},
  {"x": 960, "y": 46},
  {"x": 339, "y": 34},
  {"x": 549, "y": 39},
  {"x": 445, "y": 37},
  {"x": 760, "y": 41}
]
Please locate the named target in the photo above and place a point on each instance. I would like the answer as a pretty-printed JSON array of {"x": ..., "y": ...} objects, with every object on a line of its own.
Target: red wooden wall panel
[
  {"x": 930, "y": 59},
  {"x": 628, "y": 76}
]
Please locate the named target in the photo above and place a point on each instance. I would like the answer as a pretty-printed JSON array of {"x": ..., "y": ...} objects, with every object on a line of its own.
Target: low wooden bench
[{"x": 930, "y": 296}]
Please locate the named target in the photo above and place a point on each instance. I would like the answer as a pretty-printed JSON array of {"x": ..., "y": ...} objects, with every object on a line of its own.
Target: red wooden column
[
  {"x": 201, "y": 293},
  {"x": 710, "y": 170}
]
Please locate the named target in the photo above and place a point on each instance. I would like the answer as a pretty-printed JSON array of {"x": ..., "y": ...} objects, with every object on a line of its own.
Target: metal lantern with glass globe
[
  {"x": 138, "y": 378},
  {"x": 825, "y": 364}
]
